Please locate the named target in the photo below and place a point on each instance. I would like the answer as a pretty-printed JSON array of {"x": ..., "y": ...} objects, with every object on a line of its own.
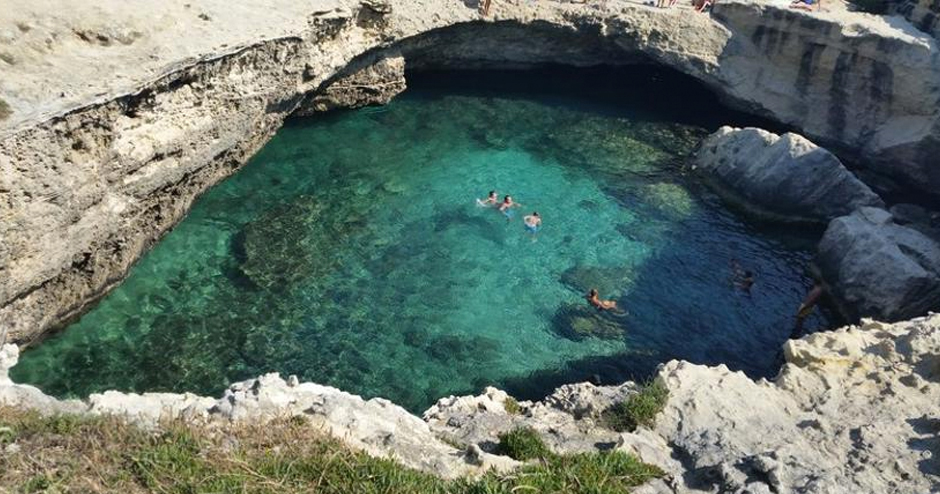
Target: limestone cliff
[
  {"x": 115, "y": 117},
  {"x": 853, "y": 410}
]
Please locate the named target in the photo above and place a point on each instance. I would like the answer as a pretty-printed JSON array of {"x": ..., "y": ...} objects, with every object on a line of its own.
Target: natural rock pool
[{"x": 351, "y": 252}]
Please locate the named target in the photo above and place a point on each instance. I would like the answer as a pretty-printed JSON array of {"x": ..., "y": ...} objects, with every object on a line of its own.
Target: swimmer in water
[
  {"x": 506, "y": 206},
  {"x": 742, "y": 278},
  {"x": 491, "y": 200},
  {"x": 593, "y": 299},
  {"x": 532, "y": 223}
]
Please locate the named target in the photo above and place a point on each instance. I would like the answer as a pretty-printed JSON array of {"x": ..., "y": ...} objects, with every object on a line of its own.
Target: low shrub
[
  {"x": 512, "y": 406},
  {"x": 639, "y": 409},
  {"x": 522, "y": 444}
]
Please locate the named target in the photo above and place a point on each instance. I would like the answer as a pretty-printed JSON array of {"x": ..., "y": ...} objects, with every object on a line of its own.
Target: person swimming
[
  {"x": 741, "y": 278},
  {"x": 532, "y": 222},
  {"x": 491, "y": 199},
  {"x": 506, "y": 206},
  {"x": 594, "y": 299}
]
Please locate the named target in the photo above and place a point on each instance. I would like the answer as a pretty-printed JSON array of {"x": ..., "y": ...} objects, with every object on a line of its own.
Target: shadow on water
[
  {"x": 714, "y": 322},
  {"x": 642, "y": 92}
]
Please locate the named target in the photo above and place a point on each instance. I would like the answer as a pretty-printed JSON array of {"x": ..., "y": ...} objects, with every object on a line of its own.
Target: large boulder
[
  {"x": 784, "y": 177},
  {"x": 878, "y": 268}
]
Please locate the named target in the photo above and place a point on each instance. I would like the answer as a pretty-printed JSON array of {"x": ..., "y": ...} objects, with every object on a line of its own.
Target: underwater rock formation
[
  {"x": 785, "y": 177},
  {"x": 579, "y": 321},
  {"x": 291, "y": 243},
  {"x": 878, "y": 268},
  {"x": 852, "y": 410}
]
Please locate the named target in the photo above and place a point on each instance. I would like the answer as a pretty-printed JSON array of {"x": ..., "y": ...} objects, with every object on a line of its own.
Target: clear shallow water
[{"x": 351, "y": 252}]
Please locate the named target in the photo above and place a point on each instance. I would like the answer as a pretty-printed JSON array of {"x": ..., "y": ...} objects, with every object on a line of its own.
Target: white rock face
[
  {"x": 877, "y": 268},
  {"x": 116, "y": 115},
  {"x": 786, "y": 177},
  {"x": 852, "y": 410}
]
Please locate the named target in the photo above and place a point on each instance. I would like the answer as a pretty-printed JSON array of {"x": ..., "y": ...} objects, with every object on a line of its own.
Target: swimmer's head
[
  {"x": 493, "y": 194},
  {"x": 507, "y": 199},
  {"x": 593, "y": 292},
  {"x": 535, "y": 213}
]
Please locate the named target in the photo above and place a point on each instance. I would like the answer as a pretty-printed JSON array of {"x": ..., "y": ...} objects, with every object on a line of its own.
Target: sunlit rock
[{"x": 785, "y": 177}]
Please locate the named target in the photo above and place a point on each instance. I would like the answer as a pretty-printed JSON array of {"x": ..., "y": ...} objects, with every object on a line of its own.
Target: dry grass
[{"x": 79, "y": 454}]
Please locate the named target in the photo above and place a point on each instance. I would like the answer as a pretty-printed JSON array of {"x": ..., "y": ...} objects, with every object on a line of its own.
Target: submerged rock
[
  {"x": 784, "y": 177},
  {"x": 293, "y": 242},
  {"x": 609, "y": 281},
  {"x": 878, "y": 268},
  {"x": 579, "y": 321}
]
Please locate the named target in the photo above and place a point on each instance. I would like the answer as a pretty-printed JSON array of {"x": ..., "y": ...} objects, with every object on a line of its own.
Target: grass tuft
[
  {"x": 101, "y": 454},
  {"x": 512, "y": 406},
  {"x": 522, "y": 444},
  {"x": 638, "y": 410}
]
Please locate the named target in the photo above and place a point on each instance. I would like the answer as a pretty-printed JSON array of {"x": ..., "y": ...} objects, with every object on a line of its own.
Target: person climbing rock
[{"x": 806, "y": 308}]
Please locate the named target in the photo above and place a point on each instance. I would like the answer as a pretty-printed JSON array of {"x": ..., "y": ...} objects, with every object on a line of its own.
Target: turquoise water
[{"x": 351, "y": 252}]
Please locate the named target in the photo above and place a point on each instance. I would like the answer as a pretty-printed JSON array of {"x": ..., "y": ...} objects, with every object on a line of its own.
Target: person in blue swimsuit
[
  {"x": 532, "y": 223},
  {"x": 806, "y": 5},
  {"x": 506, "y": 207}
]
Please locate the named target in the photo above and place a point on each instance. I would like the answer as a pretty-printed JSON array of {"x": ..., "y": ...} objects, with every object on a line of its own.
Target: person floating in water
[
  {"x": 533, "y": 222},
  {"x": 506, "y": 206},
  {"x": 742, "y": 278},
  {"x": 491, "y": 200},
  {"x": 594, "y": 299}
]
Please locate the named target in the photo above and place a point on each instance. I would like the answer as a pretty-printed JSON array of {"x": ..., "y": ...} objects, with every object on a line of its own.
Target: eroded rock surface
[
  {"x": 852, "y": 410},
  {"x": 878, "y": 268},
  {"x": 785, "y": 177},
  {"x": 373, "y": 84}
]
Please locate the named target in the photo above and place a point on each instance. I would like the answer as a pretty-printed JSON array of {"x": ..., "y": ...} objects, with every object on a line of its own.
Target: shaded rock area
[
  {"x": 374, "y": 84},
  {"x": 852, "y": 410},
  {"x": 878, "y": 268},
  {"x": 784, "y": 177}
]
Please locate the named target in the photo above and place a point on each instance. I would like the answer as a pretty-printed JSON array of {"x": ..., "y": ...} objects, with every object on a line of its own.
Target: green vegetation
[
  {"x": 523, "y": 444},
  {"x": 102, "y": 454},
  {"x": 512, "y": 406},
  {"x": 5, "y": 110},
  {"x": 639, "y": 409}
]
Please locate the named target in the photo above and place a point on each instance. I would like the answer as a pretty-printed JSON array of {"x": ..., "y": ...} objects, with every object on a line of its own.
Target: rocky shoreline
[
  {"x": 114, "y": 124},
  {"x": 852, "y": 410}
]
